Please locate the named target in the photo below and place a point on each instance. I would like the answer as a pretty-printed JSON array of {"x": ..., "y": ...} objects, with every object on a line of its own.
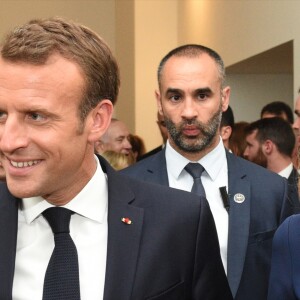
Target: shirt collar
[
  {"x": 212, "y": 161},
  {"x": 286, "y": 172},
  {"x": 89, "y": 202}
]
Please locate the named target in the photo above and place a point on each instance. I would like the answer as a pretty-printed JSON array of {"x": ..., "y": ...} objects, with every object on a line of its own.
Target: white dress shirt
[
  {"x": 214, "y": 177},
  {"x": 286, "y": 172},
  {"x": 88, "y": 229}
]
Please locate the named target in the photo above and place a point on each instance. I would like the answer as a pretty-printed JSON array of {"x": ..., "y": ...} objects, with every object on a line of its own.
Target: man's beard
[
  {"x": 260, "y": 158},
  {"x": 193, "y": 144}
]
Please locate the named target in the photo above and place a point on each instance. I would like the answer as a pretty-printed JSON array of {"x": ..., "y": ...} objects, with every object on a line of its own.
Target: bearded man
[{"x": 248, "y": 202}]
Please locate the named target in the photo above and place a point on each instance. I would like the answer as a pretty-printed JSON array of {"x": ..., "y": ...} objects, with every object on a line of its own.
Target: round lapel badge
[{"x": 239, "y": 198}]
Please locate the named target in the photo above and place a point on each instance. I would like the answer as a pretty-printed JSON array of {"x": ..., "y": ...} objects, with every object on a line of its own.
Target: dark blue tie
[
  {"x": 62, "y": 274},
  {"x": 196, "y": 170}
]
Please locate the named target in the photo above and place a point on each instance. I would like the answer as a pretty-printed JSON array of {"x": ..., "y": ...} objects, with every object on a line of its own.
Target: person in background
[
  {"x": 138, "y": 146},
  {"x": 253, "y": 151},
  {"x": 284, "y": 111},
  {"x": 115, "y": 139},
  {"x": 277, "y": 109},
  {"x": 226, "y": 126},
  {"x": 164, "y": 134},
  {"x": 237, "y": 142},
  {"x": 248, "y": 202},
  {"x": 270, "y": 143},
  {"x": 118, "y": 160},
  {"x": 70, "y": 226}
]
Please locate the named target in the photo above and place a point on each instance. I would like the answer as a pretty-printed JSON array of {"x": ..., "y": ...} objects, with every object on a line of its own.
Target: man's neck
[{"x": 279, "y": 163}]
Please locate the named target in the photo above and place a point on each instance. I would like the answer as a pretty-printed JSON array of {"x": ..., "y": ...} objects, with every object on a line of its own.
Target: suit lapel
[
  {"x": 123, "y": 239},
  {"x": 8, "y": 238},
  {"x": 239, "y": 221},
  {"x": 157, "y": 169}
]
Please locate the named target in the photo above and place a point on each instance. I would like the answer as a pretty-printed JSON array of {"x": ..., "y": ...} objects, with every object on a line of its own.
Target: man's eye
[
  {"x": 175, "y": 97},
  {"x": 2, "y": 115},
  {"x": 202, "y": 96},
  {"x": 36, "y": 116}
]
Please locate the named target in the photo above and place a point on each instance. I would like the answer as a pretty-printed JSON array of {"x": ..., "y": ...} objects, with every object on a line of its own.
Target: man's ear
[
  {"x": 99, "y": 120},
  {"x": 268, "y": 147},
  {"x": 225, "y": 132},
  {"x": 158, "y": 101},
  {"x": 225, "y": 98}
]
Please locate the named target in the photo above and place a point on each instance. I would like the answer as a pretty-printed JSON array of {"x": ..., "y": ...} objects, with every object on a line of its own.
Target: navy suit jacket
[
  {"x": 285, "y": 267},
  {"x": 170, "y": 251},
  {"x": 252, "y": 223}
]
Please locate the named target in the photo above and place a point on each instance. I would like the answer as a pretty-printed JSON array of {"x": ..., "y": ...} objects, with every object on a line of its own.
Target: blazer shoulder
[
  {"x": 254, "y": 171},
  {"x": 157, "y": 192},
  {"x": 153, "y": 166}
]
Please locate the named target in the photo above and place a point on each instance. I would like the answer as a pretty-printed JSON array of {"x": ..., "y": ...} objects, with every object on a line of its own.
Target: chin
[{"x": 20, "y": 190}]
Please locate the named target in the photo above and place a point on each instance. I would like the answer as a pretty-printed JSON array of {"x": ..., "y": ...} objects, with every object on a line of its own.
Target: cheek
[{"x": 172, "y": 114}]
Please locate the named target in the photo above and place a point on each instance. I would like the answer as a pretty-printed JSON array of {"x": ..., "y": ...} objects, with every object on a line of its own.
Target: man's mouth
[
  {"x": 191, "y": 130},
  {"x": 24, "y": 164}
]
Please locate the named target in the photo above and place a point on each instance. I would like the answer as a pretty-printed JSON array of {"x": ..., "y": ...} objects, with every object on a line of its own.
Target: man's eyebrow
[
  {"x": 120, "y": 137},
  {"x": 205, "y": 90},
  {"x": 173, "y": 90}
]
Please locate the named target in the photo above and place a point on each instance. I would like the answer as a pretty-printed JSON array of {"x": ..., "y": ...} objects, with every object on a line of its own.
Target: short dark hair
[
  {"x": 193, "y": 50},
  {"x": 277, "y": 130},
  {"x": 35, "y": 41},
  {"x": 227, "y": 118},
  {"x": 278, "y": 108}
]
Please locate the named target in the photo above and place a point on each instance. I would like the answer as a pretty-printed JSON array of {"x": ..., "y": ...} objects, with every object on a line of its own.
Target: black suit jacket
[
  {"x": 170, "y": 251},
  {"x": 252, "y": 223},
  {"x": 293, "y": 178},
  {"x": 153, "y": 151}
]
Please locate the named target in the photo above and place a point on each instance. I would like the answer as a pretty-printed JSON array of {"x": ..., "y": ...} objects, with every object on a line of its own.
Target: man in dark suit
[
  {"x": 192, "y": 96},
  {"x": 114, "y": 237}
]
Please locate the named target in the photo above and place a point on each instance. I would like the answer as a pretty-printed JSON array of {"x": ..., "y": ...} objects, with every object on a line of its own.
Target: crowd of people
[{"x": 86, "y": 213}]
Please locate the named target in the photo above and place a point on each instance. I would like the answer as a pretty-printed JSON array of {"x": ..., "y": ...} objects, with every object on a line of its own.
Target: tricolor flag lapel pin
[{"x": 126, "y": 221}]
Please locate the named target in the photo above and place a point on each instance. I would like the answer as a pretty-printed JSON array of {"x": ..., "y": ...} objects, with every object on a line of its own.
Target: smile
[{"x": 24, "y": 164}]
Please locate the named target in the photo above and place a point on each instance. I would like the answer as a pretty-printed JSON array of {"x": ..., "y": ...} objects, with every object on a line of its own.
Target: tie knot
[
  {"x": 194, "y": 169},
  {"x": 58, "y": 218}
]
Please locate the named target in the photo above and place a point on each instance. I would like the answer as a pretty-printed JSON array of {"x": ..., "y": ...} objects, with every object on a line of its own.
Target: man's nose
[
  {"x": 12, "y": 136},
  {"x": 296, "y": 124},
  {"x": 127, "y": 144},
  {"x": 189, "y": 110}
]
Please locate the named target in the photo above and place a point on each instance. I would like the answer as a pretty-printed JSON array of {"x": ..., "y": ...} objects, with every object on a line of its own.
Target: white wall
[
  {"x": 249, "y": 93},
  {"x": 99, "y": 15},
  {"x": 155, "y": 35}
]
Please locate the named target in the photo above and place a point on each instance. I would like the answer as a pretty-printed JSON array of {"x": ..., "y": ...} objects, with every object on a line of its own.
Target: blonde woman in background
[{"x": 117, "y": 160}]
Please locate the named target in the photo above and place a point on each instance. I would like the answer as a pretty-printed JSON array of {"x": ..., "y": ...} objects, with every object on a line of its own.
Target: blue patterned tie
[
  {"x": 196, "y": 170},
  {"x": 62, "y": 274}
]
